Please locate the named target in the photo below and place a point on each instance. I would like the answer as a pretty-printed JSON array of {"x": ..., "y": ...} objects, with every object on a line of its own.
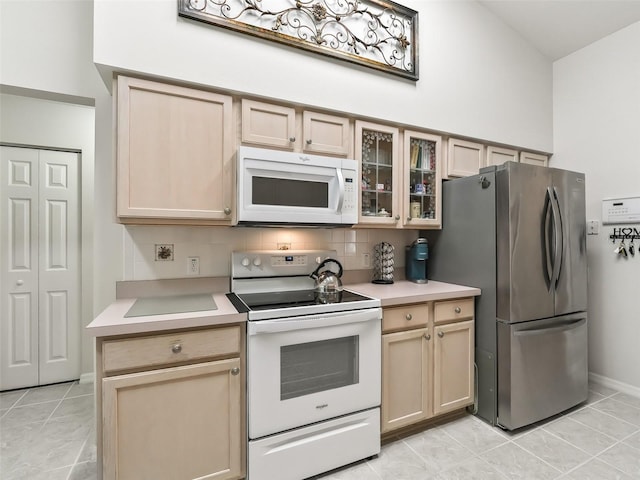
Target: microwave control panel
[
  {"x": 621, "y": 210},
  {"x": 350, "y": 193}
]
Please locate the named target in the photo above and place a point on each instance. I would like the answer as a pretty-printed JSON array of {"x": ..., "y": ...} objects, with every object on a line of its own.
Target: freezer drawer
[{"x": 542, "y": 368}]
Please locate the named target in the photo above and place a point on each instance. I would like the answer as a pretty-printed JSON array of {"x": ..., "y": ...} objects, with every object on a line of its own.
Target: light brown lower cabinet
[
  {"x": 427, "y": 361},
  {"x": 453, "y": 379},
  {"x": 179, "y": 422},
  {"x": 406, "y": 378}
]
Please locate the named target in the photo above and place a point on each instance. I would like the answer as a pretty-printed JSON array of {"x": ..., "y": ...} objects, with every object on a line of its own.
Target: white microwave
[{"x": 288, "y": 188}]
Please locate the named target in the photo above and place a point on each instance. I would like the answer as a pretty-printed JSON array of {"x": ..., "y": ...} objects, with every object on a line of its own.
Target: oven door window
[{"x": 313, "y": 367}]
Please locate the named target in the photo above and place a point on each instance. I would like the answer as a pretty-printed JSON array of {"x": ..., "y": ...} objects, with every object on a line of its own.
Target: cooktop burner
[
  {"x": 272, "y": 284},
  {"x": 299, "y": 298}
]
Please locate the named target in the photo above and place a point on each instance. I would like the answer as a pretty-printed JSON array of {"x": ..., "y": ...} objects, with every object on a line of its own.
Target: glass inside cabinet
[
  {"x": 377, "y": 173},
  {"x": 422, "y": 178}
]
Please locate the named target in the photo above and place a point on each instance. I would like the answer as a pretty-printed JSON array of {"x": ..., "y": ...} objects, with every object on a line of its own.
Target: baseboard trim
[
  {"x": 87, "y": 377},
  {"x": 615, "y": 384}
]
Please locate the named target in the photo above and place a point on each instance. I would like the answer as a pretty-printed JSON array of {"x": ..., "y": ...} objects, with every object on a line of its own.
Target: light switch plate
[{"x": 593, "y": 227}]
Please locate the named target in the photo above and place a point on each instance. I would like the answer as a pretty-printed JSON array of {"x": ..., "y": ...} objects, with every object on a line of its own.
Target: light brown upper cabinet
[
  {"x": 499, "y": 155},
  {"x": 175, "y": 149},
  {"x": 421, "y": 180},
  {"x": 464, "y": 158},
  {"x": 534, "y": 159},
  {"x": 268, "y": 125},
  {"x": 322, "y": 133},
  {"x": 278, "y": 126},
  {"x": 377, "y": 150}
]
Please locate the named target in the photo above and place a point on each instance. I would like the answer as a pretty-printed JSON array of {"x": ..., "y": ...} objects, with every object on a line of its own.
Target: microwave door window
[{"x": 289, "y": 192}]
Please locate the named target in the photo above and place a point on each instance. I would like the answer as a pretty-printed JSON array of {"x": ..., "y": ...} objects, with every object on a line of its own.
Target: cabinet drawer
[
  {"x": 405, "y": 317},
  {"x": 459, "y": 309},
  {"x": 156, "y": 350}
]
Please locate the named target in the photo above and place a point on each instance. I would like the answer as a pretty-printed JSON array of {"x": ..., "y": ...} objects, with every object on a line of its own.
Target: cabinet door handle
[
  {"x": 309, "y": 141},
  {"x": 457, "y": 310},
  {"x": 177, "y": 348},
  {"x": 408, "y": 219},
  {"x": 20, "y": 282},
  {"x": 397, "y": 217},
  {"x": 441, "y": 334},
  {"x": 408, "y": 316},
  {"x": 227, "y": 211},
  {"x": 235, "y": 371},
  {"x": 292, "y": 139},
  {"x": 427, "y": 336}
]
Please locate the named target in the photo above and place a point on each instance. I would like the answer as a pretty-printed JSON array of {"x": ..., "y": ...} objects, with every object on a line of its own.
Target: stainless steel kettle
[{"x": 327, "y": 281}]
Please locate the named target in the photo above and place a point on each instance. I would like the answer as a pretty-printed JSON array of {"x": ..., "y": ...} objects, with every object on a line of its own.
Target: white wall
[
  {"x": 596, "y": 131},
  {"x": 46, "y": 123},
  {"x": 477, "y": 78}
]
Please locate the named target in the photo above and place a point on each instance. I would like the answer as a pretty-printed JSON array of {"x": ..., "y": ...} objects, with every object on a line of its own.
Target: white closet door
[
  {"x": 39, "y": 229},
  {"x": 19, "y": 226},
  {"x": 59, "y": 254}
]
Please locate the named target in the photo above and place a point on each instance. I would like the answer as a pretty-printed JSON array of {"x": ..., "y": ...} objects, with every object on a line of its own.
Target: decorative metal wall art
[{"x": 376, "y": 33}]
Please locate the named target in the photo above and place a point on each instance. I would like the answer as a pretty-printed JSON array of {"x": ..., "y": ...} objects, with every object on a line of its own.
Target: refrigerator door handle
[
  {"x": 557, "y": 239},
  {"x": 566, "y": 325},
  {"x": 559, "y": 228},
  {"x": 547, "y": 247}
]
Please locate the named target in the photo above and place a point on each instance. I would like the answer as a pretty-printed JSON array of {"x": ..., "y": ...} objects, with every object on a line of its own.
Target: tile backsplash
[{"x": 213, "y": 246}]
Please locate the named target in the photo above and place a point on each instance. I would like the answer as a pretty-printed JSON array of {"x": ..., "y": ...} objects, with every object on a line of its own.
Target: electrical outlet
[
  {"x": 164, "y": 252},
  {"x": 193, "y": 265},
  {"x": 366, "y": 260}
]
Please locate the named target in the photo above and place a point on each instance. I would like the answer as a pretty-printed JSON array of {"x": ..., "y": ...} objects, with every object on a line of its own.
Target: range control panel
[
  {"x": 621, "y": 210},
  {"x": 276, "y": 263}
]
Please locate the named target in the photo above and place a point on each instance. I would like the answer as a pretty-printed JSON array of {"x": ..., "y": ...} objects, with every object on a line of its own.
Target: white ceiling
[{"x": 559, "y": 27}]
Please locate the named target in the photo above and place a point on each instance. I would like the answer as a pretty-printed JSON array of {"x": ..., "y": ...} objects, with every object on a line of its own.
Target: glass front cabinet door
[
  {"x": 421, "y": 180},
  {"x": 377, "y": 150}
]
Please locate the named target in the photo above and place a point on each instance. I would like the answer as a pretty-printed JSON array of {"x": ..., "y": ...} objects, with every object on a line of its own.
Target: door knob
[
  {"x": 235, "y": 371},
  {"x": 427, "y": 336},
  {"x": 441, "y": 334}
]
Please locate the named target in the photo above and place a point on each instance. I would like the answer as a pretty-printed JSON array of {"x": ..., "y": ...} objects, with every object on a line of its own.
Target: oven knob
[
  {"x": 245, "y": 262},
  {"x": 257, "y": 262}
]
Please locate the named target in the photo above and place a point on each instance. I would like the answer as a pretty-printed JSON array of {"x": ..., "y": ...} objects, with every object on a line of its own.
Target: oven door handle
[{"x": 290, "y": 324}]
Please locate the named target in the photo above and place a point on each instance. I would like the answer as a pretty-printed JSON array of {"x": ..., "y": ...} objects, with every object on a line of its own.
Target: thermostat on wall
[{"x": 621, "y": 210}]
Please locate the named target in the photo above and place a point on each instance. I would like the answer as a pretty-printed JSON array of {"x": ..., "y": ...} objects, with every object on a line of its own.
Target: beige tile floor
[{"x": 48, "y": 433}]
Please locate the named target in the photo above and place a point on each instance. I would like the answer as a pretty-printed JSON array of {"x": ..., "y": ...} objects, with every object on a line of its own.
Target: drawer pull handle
[
  {"x": 408, "y": 316},
  {"x": 235, "y": 371},
  {"x": 427, "y": 336},
  {"x": 177, "y": 348},
  {"x": 457, "y": 310},
  {"x": 441, "y": 334}
]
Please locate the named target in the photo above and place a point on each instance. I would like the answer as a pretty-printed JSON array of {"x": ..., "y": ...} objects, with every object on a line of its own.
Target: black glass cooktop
[{"x": 296, "y": 298}]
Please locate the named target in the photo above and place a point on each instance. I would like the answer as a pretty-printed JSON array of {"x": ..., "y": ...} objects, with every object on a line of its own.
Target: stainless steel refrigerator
[{"x": 518, "y": 233}]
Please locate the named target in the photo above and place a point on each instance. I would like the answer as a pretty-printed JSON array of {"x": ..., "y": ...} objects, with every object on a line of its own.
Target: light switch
[{"x": 593, "y": 227}]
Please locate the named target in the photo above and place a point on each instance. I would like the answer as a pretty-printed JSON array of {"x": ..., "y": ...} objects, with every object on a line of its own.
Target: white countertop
[
  {"x": 112, "y": 320},
  {"x": 403, "y": 292}
]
